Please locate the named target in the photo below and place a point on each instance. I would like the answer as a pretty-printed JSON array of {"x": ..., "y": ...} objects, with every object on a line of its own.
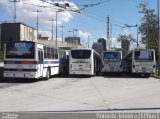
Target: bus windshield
[
  {"x": 20, "y": 50},
  {"x": 143, "y": 55},
  {"x": 112, "y": 56},
  {"x": 80, "y": 54}
]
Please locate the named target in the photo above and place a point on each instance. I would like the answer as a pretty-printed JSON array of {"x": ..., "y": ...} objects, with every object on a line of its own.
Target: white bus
[
  {"x": 140, "y": 61},
  {"x": 84, "y": 62},
  {"x": 111, "y": 61},
  {"x": 27, "y": 59}
]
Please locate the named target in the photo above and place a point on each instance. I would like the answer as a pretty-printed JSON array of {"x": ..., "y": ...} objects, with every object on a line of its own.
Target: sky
[{"x": 90, "y": 22}]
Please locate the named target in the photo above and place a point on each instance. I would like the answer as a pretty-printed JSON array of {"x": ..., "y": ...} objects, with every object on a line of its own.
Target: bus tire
[{"x": 47, "y": 74}]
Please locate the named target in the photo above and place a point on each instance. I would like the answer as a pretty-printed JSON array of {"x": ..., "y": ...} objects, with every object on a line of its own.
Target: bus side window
[
  {"x": 45, "y": 52},
  {"x": 40, "y": 55}
]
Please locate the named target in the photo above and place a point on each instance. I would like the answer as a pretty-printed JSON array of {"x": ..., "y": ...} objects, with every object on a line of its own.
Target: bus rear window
[
  {"x": 143, "y": 55},
  {"x": 112, "y": 55},
  {"x": 80, "y": 54},
  {"x": 20, "y": 50}
]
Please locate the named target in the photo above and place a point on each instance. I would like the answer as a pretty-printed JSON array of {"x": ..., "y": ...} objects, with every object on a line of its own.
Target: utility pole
[
  {"x": 52, "y": 27},
  {"x": 110, "y": 36},
  {"x": 108, "y": 31},
  {"x": 73, "y": 36},
  {"x": 158, "y": 62},
  {"x": 62, "y": 32},
  {"x": 37, "y": 21},
  {"x": 14, "y": 1},
  {"x": 147, "y": 44},
  {"x": 158, "y": 28},
  {"x": 56, "y": 24},
  {"x": 88, "y": 41}
]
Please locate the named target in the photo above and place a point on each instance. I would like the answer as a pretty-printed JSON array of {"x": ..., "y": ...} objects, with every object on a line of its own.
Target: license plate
[{"x": 143, "y": 69}]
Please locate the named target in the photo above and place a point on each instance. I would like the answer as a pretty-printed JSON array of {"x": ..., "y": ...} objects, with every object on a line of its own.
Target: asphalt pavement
[{"x": 81, "y": 94}]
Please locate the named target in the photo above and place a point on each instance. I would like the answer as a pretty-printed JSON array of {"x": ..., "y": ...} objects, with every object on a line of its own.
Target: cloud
[
  {"x": 5, "y": 2},
  {"x": 26, "y": 12},
  {"x": 115, "y": 43},
  {"x": 84, "y": 34}
]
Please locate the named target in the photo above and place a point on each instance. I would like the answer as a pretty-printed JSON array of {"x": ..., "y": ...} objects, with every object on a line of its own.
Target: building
[
  {"x": 103, "y": 41},
  {"x": 73, "y": 40},
  {"x": 17, "y": 31},
  {"x": 40, "y": 37},
  {"x": 98, "y": 47}
]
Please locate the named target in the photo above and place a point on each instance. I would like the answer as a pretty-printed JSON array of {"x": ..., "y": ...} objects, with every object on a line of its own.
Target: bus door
[{"x": 40, "y": 58}]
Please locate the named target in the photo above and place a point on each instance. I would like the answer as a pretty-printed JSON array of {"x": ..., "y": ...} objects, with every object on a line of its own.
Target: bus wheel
[{"x": 47, "y": 74}]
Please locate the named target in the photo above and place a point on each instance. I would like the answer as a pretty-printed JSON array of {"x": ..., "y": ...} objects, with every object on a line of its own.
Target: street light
[
  {"x": 15, "y": 9},
  {"x": 56, "y": 24},
  {"x": 73, "y": 36},
  {"x": 52, "y": 27},
  {"x": 37, "y": 22}
]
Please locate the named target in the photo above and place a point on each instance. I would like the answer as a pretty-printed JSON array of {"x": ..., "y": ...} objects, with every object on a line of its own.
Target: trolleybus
[
  {"x": 140, "y": 61},
  {"x": 84, "y": 62},
  {"x": 27, "y": 59},
  {"x": 111, "y": 61}
]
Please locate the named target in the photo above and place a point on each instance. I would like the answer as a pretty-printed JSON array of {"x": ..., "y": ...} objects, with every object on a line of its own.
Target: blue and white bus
[{"x": 27, "y": 59}]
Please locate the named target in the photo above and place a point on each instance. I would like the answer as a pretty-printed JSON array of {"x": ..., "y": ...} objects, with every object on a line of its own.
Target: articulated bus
[
  {"x": 111, "y": 61},
  {"x": 84, "y": 62},
  {"x": 27, "y": 59},
  {"x": 140, "y": 61}
]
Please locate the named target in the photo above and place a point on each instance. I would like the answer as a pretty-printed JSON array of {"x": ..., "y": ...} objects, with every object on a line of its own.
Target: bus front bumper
[
  {"x": 9, "y": 74},
  {"x": 81, "y": 72},
  {"x": 111, "y": 69},
  {"x": 146, "y": 70}
]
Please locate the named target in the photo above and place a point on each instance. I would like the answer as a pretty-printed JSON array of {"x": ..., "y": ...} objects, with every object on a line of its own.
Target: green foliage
[
  {"x": 149, "y": 26},
  {"x": 126, "y": 41},
  {"x": 124, "y": 52}
]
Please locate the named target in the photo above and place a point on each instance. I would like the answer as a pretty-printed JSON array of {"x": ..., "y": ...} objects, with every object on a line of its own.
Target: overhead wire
[{"x": 84, "y": 25}]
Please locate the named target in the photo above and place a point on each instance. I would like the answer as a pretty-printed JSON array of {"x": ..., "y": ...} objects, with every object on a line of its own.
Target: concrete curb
[{"x": 157, "y": 77}]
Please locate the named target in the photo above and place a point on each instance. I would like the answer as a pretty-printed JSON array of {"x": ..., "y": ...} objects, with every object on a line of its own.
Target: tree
[
  {"x": 148, "y": 27},
  {"x": 126, "y": 41}
]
